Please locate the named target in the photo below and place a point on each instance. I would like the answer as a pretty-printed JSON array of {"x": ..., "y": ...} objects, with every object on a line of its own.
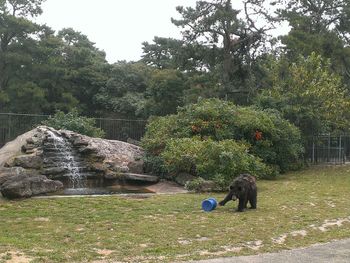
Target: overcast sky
[{"x": 116, "y": 26}]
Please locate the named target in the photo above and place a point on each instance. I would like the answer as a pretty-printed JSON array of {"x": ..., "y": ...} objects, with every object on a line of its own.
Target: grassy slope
[{"x": 291, "y": 213}]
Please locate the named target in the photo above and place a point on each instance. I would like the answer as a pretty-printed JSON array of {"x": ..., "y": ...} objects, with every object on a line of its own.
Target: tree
[
  {"x": 217, "y": 25},
  {"x": 85, "y": 68},
  {"x": 320, "y": 26},
  {"x": 16, "y": 34},
  {"x": 122, "y": 95},
  {"x": 308, "y": 94},
  {"x": 164, "y": 92},
  {"x": 169, "y": 53}
]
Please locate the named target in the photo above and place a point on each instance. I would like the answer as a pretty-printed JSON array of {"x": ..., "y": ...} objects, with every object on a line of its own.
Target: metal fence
[
  {"x": 328, "y": 149},
  {"x": 12, "y": 125},
  {"x": 318, "y": 149}
]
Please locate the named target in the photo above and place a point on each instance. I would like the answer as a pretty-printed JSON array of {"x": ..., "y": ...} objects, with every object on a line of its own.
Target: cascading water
[
  {"x": 62, "y": 156},
  {"x": 63, "y": 161}
]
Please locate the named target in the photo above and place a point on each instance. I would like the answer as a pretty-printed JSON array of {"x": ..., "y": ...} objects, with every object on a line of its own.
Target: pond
[{"x": 101, "y": 186}]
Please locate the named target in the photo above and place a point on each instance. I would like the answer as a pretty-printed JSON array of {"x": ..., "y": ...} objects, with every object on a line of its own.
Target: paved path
[{"x": 333, "y": 252}]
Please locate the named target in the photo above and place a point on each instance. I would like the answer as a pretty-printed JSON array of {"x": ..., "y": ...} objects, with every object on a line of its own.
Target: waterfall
[{"x": 63, "y": 156}]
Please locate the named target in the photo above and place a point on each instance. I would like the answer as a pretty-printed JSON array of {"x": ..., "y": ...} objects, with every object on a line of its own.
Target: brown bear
[{"x": 244, "y": 188}]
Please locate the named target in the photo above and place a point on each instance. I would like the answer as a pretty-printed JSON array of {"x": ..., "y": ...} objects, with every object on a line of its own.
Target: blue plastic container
[{"x": 209, "y": 204}]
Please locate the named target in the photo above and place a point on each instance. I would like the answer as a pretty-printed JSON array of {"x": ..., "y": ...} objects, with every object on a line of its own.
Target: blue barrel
[{"x": 209, "y": 204}]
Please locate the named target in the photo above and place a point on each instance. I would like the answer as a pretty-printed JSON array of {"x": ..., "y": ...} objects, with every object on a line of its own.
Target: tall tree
[
  {"x": 122, "y": 96},
  {"x": 309, "y": 94},
  {"x": 217, "y": 25},
  {"x": 169, "y": 53},
  {"x": 16, "y": 34},
  {"x": 86, "y": 68},
  {"x": 321, "y": 26}
]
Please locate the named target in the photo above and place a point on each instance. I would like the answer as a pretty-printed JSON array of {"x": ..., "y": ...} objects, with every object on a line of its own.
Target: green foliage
[
  {"x": 279, "y": 144},
  {"x": 220, "y": 161},
  {"x": 308, "y": 94},
  {"x": 321, "y": 27},
  {"x": 73, "y": 122},
  {"x": 158, "y": 131},
  {"x": 195, "y": 185},
  {"x": 164, "y": 92},
  {"x": 123, "y": 92},
  {"x": 58, "y": 71}
]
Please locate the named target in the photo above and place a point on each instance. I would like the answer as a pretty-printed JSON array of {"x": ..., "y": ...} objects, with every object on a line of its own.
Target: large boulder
[
  {"x": 27, "y": 184},
  {"x": 110, "y": 157},
  {"x": 14, "y": 148},
  {"x": 29, "y": 162}
]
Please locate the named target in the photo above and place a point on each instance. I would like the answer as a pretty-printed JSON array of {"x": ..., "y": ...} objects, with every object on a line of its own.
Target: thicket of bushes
[{"x": 216, "y": 139}]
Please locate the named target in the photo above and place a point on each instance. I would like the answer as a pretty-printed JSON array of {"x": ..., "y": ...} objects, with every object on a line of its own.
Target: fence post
[
  {"x": 9, "y": 128},
  {"x": 329, "y": 148},
  {"x": 313, "y": 149},
  {"x": 340, "y": 159}
]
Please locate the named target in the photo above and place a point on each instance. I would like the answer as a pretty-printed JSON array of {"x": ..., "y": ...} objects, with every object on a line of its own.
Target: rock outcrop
[
  {"x": 24, "y": 185},
  {"x": 37, "y": 161}
]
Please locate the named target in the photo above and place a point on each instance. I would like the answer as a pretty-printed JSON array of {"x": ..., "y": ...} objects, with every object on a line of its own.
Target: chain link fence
[{"x": 13, "y": 125}]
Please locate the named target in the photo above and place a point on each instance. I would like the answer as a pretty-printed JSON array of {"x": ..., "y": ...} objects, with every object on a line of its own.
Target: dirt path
[{"x": 333, "y": 252}]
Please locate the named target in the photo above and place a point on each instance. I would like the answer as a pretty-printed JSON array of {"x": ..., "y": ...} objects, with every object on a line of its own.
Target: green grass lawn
[{"x": 297, "y": 210}]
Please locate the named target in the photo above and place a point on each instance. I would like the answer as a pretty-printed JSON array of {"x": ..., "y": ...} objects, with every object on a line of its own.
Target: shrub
[
  {"x": 73, "y": 122},
  {"x": 220, "y": 161},
  {"x": 266, "y": 134},
  {"x": 195, "y": 185}
]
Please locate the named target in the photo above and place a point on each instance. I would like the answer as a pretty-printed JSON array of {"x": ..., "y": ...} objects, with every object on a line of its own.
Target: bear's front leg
[{"x": 227, "y": 198}]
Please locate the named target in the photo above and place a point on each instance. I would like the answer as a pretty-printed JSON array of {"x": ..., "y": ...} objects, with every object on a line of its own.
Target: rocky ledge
[{"x": 35, "y": 162}]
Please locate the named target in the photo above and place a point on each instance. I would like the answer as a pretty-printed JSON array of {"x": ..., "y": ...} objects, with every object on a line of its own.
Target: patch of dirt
[
  {"x": 254, "y": 245},
  {"x": 302, "y": 233},
  {"x": 15, "y": 257},
  {"x": 104, "y": 252},
  {"x": 324, "y": 227},
  {"x": 330, "y": 223},
  {"x": 166, "y": 187},
  {"x": 280, "y": 240},
  {"x": 184, "y": 241}
]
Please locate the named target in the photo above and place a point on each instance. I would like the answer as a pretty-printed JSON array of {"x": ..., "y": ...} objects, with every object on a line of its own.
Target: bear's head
[{"x": 239, "y": 187}]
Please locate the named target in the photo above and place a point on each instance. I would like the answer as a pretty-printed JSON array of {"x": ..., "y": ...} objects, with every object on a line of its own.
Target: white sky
[{"x": 116, "y": 26}]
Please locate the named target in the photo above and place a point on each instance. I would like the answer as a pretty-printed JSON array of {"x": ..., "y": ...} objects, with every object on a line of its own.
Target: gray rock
[
  {"x": 6, "y": 173},
  {"x": 26, "y": 185},
  {"x": 53, "y": 170},
  {"x": 183, "y": 178},
  {"x": 30, "y": 161},
  {"x": 87, "y": 150},
  {"x": 136, "y": 166},
  {"x": 140, "y": 177},
  {"x": 208, "y": 186},
  {"x": 79, "y": 141}
]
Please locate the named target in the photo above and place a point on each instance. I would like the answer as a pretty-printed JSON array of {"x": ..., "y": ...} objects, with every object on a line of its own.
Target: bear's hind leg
[
  {"x": 253, "y": 201},
  {"x": 242, "y": 204}
]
